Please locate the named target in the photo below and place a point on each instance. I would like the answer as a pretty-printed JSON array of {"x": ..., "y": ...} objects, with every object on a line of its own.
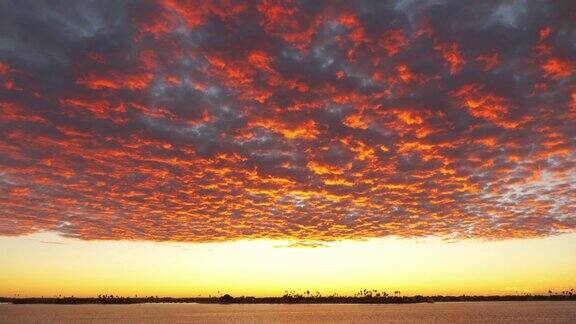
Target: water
[{"x": 453, "y": 313}]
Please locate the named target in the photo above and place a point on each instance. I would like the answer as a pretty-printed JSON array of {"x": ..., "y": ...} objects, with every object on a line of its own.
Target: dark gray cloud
[{"x": 312, "y": 120}]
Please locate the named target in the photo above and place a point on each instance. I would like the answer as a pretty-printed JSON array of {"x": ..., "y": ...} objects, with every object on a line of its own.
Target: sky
[{"x": 263, "y": 146}]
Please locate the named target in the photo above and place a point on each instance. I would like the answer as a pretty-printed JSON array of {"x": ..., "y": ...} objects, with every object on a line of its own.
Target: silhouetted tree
[{"x": 226, "y": 299}]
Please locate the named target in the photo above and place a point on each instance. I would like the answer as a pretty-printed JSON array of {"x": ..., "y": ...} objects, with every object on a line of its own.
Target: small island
[{"x": 363, "y": 297}]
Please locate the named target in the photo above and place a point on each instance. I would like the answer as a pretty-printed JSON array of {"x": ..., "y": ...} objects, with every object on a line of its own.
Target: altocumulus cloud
[{"x": 304, "y": 120}]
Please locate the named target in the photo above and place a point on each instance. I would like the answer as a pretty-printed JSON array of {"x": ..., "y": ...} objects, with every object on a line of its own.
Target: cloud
[
  {"x": 52, "y": 242},
  {"x": 305, "y": 245},
  {"x": 307, "y": 121}
]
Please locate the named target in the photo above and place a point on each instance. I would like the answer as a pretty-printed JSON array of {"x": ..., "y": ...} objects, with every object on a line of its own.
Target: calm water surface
[{"x": 452, "y": 313}]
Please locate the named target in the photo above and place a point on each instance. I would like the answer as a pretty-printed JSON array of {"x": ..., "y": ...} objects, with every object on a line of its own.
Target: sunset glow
[
  {"x": 189, "y": 147},
  {"x": 47, "y": 265}
]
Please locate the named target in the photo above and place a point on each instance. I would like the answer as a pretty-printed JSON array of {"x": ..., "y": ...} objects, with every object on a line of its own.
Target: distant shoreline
[{"x": 227, "y": 299}]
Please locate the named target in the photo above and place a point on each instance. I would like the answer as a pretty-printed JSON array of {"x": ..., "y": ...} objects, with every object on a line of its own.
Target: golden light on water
[{"x": 182, "y": 147}]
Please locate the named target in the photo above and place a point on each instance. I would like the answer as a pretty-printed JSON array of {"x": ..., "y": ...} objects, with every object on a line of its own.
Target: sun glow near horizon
[{"x": 47, "y": 265}]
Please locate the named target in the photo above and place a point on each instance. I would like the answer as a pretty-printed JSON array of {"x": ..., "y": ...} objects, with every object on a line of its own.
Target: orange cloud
[
  {"x": 557, "y": 69},
  {"x": 208, "y": 121},
  {"x": 451, "y": 54}
]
